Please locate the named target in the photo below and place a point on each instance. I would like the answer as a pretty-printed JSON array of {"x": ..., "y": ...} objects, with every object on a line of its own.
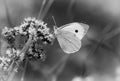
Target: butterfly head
[{"x": 55, "y": 30}]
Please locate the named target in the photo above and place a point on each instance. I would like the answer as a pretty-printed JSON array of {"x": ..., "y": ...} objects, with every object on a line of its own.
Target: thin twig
[
  {"x": 69, "y": 10},
  {"x": 8, "y": 14},
  {"x": 62, "y": 61},
  {"x": 46, "y": 8},
  {"x": 10, "y": 78},
  {"x": 23, "y": 75},
  {"x": 57, "y": 69},
  {"x": 41, "y": 9},
  {"x": 104, "y": 33},
  {"x": 26, "y": 46},
  {"x": 10, "y": 68}
]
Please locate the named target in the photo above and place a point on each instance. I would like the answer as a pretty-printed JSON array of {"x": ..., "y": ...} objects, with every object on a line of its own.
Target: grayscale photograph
[{"x": 59, "y": 40}]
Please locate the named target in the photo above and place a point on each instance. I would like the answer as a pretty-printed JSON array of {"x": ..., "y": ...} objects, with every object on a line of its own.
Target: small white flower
[
  {"x": 8, "y": 52},
  {"x": 17, "y": 52},
  {"x": 22, "y": 56},
  {"x": 4, "y": 68},
  {"x": 16, "y": 28},
  {"x": 5, "y": 29},
  {"x": 4, "y": 63},
  {"x": 1, "y": 65},
  {"x": 77, "y": 79},
  {"x": 32, "y": 30}
]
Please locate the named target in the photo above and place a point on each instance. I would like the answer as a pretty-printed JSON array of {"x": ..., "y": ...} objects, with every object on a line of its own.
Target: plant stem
[
  {"x": 10, "y": 78},
  {"x": 23, "y": 75},
  {"x": 57, "y": 69},
  {"x": 26, "y": 45},
  {"x": 8, "y": 14},
  {"x": 46, "y": 8},
  {"x": 41, "y": 9}
]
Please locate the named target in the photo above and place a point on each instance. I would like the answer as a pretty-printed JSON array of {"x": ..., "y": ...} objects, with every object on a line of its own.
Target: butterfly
[{"x": 70, "y": 35}]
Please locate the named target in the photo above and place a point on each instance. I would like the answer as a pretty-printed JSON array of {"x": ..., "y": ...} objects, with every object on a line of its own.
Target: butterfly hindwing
[{"x": 68, "y": 42}]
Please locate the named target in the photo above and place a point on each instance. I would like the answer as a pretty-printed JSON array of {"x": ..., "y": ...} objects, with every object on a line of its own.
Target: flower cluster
[
  {"x": 30, "y": 26},
  {"x": 36, "y": 52},
  {"x": 39, "y": 29},
  {"x": 25, "y": 41},
  {"x": 17, "y": 38},
  {"x": 10, "y": 56},
  {"x": 4, "y": 63}
]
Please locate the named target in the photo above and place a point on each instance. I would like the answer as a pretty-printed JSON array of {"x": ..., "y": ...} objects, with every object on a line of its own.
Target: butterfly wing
[
  {"x": 85, "y": 27},
  {"x": 79, "y": 29},
  {"x": 68, "y": 42}
]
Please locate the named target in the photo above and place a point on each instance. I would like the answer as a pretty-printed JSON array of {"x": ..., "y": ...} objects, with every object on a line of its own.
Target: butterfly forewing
[
  {"x": 79, "y": 29},
  {"x": 68, "y": 42},
  {"x": 85, "y": 26}
]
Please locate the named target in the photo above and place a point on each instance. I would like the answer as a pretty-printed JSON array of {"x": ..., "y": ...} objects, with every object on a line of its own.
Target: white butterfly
[{"x": 69, "y": 36}]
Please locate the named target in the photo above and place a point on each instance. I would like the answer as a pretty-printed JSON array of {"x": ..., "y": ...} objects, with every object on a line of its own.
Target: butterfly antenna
[
  {"x": 55, "y": 27},
  {"x": 54, "y": 20},
  {"x": 41, "y": 9}
]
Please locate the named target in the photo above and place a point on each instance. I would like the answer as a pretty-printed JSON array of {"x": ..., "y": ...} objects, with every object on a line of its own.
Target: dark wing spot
[{"x": 76, "y": 31}]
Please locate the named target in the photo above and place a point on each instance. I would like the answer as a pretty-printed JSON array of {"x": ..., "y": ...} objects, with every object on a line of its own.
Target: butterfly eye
[{"x": 76, "y": 31}]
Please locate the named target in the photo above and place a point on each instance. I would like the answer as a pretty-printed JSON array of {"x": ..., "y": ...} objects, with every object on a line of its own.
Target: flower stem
[
  {"x": 23, "y": 75},
  {"x": 10, "y": 78},
  {"x": 57, "y": 69}
]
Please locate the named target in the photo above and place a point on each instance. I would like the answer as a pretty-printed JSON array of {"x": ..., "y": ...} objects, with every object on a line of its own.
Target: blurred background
[{"x": 99, "y": 57}]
